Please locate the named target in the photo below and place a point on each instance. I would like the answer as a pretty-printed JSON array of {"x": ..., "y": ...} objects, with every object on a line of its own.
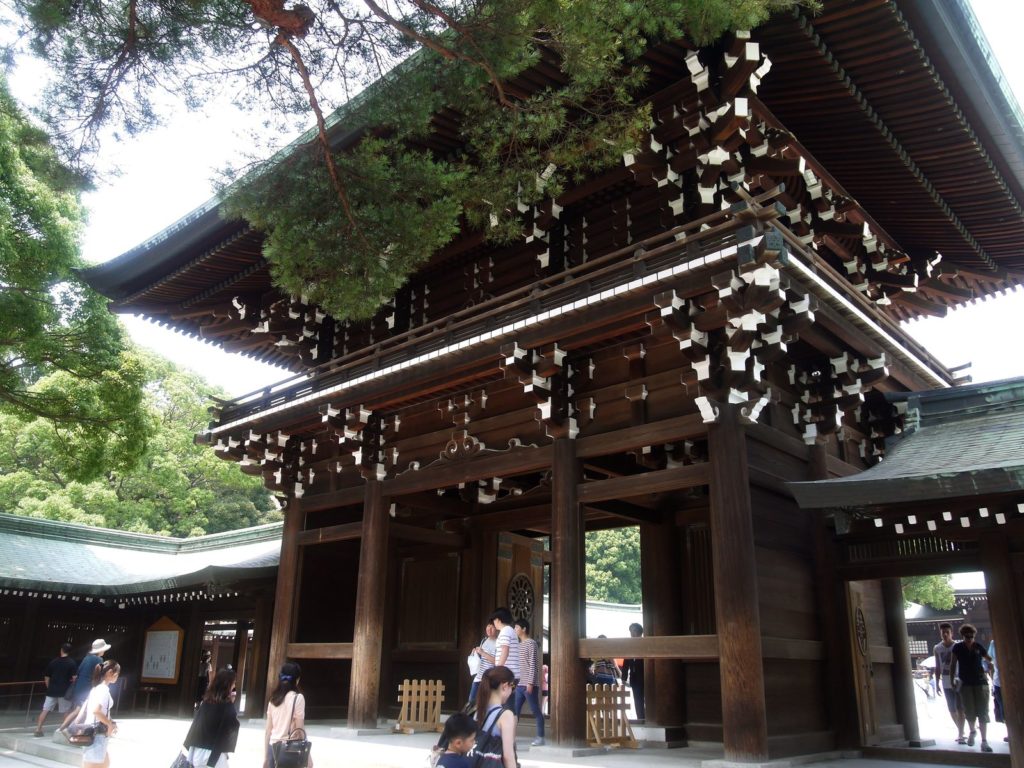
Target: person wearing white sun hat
[{"x": 83, "y": 683}]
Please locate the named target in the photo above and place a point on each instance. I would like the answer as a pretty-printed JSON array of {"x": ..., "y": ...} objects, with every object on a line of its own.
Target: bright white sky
[{"x": 167, "y": 173}]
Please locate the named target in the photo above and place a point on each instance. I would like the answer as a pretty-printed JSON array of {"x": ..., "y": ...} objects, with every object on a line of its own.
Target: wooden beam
[
  {"x": 346, "y": 497},
  {"x": 515, "y": 462},
  {"x": 691, "y": 476},
  {"x": 568, "y": 716},
  {"x": 320, "y": 650},
  {"x": 737, "y": 612},
  {"x": 364, "y": 690},
  {"x": 698, "y": 648},
  {"x": 344, "y": 532},
  {"x": 690, "y": 427},
  {"x": 792, "y": 650},
  {"x": 433, "y": 536}
]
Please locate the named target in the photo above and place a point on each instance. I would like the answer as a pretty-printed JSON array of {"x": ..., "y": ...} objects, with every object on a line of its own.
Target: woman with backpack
[{"x": 496, "y": 740}]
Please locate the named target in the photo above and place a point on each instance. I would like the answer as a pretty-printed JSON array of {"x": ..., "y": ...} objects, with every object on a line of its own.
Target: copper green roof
[
  {"x": 959, "y": 443},
  {"x": 50, "y": 556}
]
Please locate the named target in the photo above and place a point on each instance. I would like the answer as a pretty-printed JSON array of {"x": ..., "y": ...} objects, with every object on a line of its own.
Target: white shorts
[{"x": 59, "y": 703}]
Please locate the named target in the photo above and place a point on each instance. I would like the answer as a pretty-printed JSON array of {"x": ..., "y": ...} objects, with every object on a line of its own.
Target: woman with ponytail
[
  {"x": 496, "y": 740},
  {"x": 286, "y": 711},
  {"x": 97, "y": 713}
]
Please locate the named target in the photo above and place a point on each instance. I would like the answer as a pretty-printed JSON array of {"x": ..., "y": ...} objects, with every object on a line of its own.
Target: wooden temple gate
[{"x": 674, "y": 342}]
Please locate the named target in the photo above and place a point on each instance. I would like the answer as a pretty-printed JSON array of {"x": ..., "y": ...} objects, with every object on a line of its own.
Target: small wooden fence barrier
[
  {"x": 421, "y": 706},
  {"x": 607, "y": 719}
]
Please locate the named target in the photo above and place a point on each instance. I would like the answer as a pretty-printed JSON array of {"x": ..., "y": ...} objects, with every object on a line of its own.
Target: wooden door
[
  {"x": 863, "y": 670},
  {"x": 519, "y": 583}
]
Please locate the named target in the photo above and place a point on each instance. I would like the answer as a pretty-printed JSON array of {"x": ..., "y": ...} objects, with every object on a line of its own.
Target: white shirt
[{"x": 99, "y": 697}]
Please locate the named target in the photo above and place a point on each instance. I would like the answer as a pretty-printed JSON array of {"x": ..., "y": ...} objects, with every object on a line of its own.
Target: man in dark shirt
[
  {"x": 633, "y": 675},
  {"x": 968, "y": 670},
  {"x": 80, "y": 691},
  {"x": 59, "y": 675}
]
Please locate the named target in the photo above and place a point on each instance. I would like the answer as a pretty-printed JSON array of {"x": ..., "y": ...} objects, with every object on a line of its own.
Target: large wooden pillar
[
  {"x": 255, "y": 689},
  {"x": 367, "y": 646},
  {"x": 832, "y": 605},
  {"x": 663, "y": 616},
  {"x": 744, "y": 716},
  {"x": 1003, "y": 588},
  {"x": 285, "y": 609},
  {"x": 902, "y": 682},
  {"x": 568, "y": 680}
]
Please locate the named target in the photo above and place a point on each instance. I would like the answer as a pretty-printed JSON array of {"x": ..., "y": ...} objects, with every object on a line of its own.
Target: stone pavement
[{"x": 153, "y": 742}]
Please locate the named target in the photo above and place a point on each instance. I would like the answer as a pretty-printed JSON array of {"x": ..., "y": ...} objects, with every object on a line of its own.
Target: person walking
[
  {"x": 97, "y": 713},
  {"x": 943, "y": 651},
  {"x": 83, "y": 680},
  {"x": 286, "y": 711},
  {"x": 59, "y": 675},
  {"x": 528, "y": 688},
  {"x": 485, "y": 651},
  {"x": 214, "y": 730},
  {"x": 507, "y": 643},
  {"x": 205, "y": 677},
  {"x": 495, "y": 718},
  {"x": 633, "y": 675},
  {"x": 967, "y": 669}
]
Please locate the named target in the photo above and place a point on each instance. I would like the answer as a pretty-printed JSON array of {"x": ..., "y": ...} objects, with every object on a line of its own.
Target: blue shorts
[{"x": 97, "y": 751}]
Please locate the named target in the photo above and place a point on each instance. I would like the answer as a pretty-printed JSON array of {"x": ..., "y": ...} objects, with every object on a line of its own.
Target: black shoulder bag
[{"x": 292, "y": 752}]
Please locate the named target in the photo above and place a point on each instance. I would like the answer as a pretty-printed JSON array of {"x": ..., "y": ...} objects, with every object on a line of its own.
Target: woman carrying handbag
[
  {"x": 286, "y": 719},
  {"x": 97, "y": 714},
  {"x": 214, "y": 730}
]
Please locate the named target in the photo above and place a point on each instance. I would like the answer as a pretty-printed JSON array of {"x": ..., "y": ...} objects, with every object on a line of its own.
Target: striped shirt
[{"x": 528, "y": 663}]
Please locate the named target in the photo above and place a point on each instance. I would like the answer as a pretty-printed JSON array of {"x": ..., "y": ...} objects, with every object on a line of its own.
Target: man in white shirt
[{"x": 507, "y": 653}]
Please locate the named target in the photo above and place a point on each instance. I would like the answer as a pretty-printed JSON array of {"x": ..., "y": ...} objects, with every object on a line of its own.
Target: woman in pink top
[{"x": 286, "y": 711}]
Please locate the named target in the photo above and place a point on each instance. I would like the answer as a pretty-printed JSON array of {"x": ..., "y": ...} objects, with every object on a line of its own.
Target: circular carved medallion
[{"x": 521, "y": 599}]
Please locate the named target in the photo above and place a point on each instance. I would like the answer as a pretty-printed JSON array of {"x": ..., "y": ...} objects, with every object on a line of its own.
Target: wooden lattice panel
[
  {"x": 607, "y": 721},
  {"x": 421, "y": 706}
]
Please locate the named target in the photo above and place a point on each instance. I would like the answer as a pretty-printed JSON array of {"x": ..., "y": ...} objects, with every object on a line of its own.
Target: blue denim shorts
[{"x": 97, "y": 751}]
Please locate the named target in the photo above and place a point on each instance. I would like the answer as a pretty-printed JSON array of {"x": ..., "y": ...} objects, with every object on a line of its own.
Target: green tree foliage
[
  {"x": 613, "y": 565},
  {"x": 346, "y": 228},
  {"x": 176, "y": 488},
  {"x": 62, "y": 362},
  {"x": 933, "y": 591}
]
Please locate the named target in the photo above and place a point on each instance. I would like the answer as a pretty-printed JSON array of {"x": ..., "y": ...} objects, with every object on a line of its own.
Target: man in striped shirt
[
  {"x": 530, "y": 681},
  {"x": 507, "y": 653}
]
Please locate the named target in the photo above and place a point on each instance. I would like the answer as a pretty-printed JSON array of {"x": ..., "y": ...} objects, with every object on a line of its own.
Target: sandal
[
  {"x": 985, "y": 747},
  {"x": 961, "y": 740},
  {"x": 970, "y": 738}
]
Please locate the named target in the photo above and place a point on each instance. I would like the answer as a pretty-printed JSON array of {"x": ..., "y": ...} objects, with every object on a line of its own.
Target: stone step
[{"x": 46, "y": 748}]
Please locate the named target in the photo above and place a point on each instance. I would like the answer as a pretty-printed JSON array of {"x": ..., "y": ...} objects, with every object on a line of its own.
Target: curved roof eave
[{"x": 959, "y": 43}]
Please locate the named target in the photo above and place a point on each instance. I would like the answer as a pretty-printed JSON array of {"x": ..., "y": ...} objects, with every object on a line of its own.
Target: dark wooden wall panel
[
  {"x": 795, "y": 696},
  {"x": 327, "y": 594},
  {"x": 786, "y": 594},
  {"x": 428, "y": 603}
]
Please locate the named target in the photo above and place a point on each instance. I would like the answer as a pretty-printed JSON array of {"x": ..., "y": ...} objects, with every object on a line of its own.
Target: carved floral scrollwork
[{"x": 462, "y": 446}]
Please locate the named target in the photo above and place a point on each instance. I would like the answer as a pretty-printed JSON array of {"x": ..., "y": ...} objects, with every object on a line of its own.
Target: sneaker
[
  {"x": 985, "y": 747},
  {"x": 538, "y": 742},
  {"x": 970, "y": 738}
]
